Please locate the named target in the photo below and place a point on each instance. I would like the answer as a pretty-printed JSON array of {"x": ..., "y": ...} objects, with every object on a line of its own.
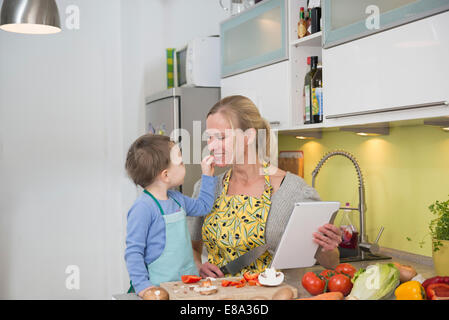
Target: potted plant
[{"x": 439, "y": 231}]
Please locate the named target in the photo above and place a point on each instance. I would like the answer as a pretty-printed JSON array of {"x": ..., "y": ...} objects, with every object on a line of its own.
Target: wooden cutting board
[{"x": 178, "y": 290}]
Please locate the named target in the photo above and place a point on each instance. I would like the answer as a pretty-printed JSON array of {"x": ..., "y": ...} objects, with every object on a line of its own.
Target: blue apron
[{"x": 177, "y": 257}]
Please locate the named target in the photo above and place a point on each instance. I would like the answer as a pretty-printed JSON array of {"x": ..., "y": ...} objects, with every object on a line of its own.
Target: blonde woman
[{"x": 253, "y": 199}]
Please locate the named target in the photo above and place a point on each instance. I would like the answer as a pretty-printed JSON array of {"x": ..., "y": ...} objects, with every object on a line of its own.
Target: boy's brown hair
[{"x": 147, "y": 157}]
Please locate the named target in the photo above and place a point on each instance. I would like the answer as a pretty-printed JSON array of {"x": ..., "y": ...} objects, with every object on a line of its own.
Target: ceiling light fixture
[{"x": 30, "y": 16}]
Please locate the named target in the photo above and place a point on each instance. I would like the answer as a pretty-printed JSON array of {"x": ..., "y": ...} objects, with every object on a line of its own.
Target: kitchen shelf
[
  {"x": 326, "y": 127},
  {"x": 314, "y": 40}
]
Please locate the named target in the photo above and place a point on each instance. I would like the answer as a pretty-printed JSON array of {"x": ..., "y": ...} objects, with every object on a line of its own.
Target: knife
[{"x": 244, "y": 260}]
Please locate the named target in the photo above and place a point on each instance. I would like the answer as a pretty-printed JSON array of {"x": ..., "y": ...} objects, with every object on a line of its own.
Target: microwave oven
[{"x": 198, "y": 63}]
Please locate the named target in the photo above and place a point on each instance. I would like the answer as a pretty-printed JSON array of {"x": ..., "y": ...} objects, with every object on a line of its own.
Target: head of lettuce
[{"x": 376, "y": 282}]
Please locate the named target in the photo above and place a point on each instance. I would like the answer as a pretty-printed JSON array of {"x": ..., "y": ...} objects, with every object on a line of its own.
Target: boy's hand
[{"x": 207, "y": 165}]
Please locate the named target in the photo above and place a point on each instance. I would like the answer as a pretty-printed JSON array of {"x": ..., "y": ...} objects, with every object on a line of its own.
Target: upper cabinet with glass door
[
  {"x": 254, "y": 38},
  {"x": 347, "y": 20}
]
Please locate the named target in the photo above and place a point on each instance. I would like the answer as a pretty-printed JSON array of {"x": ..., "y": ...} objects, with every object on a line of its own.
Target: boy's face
[{"x": 176, "y": 171}]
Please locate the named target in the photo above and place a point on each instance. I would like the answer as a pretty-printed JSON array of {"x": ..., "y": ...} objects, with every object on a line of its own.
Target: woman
[{"x": 253, "y": 200}]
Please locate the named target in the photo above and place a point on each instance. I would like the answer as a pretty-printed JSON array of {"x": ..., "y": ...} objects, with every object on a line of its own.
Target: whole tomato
[
  {"x": 347, "y": 269},
  {"x": 340, "y": 283},
  {"x": 313, "y": 283},
  {"x": 327, "y": 274}
]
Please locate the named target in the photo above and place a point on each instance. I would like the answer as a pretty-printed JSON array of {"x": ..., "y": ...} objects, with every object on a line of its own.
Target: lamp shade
[{"x": 30, "y": 16}]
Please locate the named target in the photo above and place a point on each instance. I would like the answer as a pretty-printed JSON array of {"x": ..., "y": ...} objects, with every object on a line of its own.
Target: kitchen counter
[{"x": 422, "y": 264}]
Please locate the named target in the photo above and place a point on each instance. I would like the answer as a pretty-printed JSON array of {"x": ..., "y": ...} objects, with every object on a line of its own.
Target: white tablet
[{"x": 296, "y": 248}]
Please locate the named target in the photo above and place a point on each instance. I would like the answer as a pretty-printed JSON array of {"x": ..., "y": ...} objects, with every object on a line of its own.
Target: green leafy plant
[{"x": 439, "y": 226}]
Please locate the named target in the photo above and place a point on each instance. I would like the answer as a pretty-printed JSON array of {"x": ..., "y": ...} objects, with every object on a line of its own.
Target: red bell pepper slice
[
  {"x": 225, "y": 283},
  {"x": 190, "y": 278},
  {"x": 254, "y": 282},
  {"x": 437, "y": 279},
  {"x": 438, "y": 291},
  {"x": 250, "y": 276}
]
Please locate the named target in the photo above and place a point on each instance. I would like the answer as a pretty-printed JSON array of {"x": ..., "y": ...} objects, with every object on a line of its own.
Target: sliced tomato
[
  {"x": 190, "y": 278},
  {"x": 250, "y": 276}
]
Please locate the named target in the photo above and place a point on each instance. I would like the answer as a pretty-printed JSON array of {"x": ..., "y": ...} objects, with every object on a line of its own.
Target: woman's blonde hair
[{"x": 243, "y": 114}]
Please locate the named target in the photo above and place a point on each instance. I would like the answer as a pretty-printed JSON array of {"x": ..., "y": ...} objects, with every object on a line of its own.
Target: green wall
[{"x": 404, "y": 173}]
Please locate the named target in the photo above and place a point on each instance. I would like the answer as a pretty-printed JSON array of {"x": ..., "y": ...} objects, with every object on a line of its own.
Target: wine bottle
[
  {"x": 307, "y": 90},
  {"x": 317, "y": 95}
]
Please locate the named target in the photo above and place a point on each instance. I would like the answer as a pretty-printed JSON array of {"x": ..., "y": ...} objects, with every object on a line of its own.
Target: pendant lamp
[{"x": 30, "y": 16}]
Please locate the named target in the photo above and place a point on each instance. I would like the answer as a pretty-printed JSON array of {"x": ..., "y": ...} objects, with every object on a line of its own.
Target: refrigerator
[{"x": 184, "y": 109}]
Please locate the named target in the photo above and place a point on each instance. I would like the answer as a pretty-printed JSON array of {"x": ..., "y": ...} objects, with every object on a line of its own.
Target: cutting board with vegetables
[{"x": 178, "y": 290}]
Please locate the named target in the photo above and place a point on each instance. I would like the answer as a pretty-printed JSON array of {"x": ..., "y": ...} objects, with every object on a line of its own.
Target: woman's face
[{"x": 220, "y": 139}]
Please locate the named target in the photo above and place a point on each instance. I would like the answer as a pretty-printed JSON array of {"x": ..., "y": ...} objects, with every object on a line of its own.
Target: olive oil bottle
[
  {"x": 307, "y": 89},
  {"x": 317, "y": 95}
]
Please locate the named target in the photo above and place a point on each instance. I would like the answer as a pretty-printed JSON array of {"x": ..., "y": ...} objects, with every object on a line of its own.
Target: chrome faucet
[{"x": 363, "y": 244}]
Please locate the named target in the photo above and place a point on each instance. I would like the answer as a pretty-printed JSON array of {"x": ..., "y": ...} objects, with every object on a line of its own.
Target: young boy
[{"x": 158, "y": 246}]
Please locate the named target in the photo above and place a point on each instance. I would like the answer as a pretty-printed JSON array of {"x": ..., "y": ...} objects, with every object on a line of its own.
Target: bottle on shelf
[
  {"x": 302, "y": 25},
  {"x": 307, "y": 89},
  {"x": 317, "y": 95},
  {"x": 309, "y": 22},
  {"x": 315, "y": 16}
]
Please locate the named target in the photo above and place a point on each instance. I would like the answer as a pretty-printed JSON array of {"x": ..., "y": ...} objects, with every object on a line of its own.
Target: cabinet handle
[
  {"x": 401, "y": 108},
  {"x": 275, "y": 123}
]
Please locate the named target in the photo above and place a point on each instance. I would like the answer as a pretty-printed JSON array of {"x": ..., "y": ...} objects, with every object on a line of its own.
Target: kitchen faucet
[{"x": 367, "y": 251}]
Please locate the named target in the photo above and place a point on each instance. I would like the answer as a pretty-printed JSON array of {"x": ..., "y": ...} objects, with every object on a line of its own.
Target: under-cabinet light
[
  {"x": 442, "y": 122},
  {"x": 366, "y": 134},
  {"x": 373, "y": 130}
]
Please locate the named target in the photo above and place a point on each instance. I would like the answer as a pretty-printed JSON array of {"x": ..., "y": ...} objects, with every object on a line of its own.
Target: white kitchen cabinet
[
  {"x": 347, "y": 20},
  {"x": 255, "y": 38},
  {"x": 398, "y": 69},
  {"x": 268, "y": 88},
  {"x": 393, "y": 75}
]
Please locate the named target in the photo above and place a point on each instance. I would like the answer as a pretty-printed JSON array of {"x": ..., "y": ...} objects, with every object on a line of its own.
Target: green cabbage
[{"x": 375, "y": 282}]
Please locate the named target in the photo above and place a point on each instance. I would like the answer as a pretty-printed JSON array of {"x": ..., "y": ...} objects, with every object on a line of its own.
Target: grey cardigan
[{"x": 293, "y": 189}]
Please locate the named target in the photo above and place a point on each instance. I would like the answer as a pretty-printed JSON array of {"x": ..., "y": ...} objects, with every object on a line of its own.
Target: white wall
[
  {"x": 70, "y": 105},
  {"x": 61, "y": 158}
]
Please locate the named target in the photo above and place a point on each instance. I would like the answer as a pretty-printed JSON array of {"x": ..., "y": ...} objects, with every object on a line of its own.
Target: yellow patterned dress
[{"x": 236, "y": 225}]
